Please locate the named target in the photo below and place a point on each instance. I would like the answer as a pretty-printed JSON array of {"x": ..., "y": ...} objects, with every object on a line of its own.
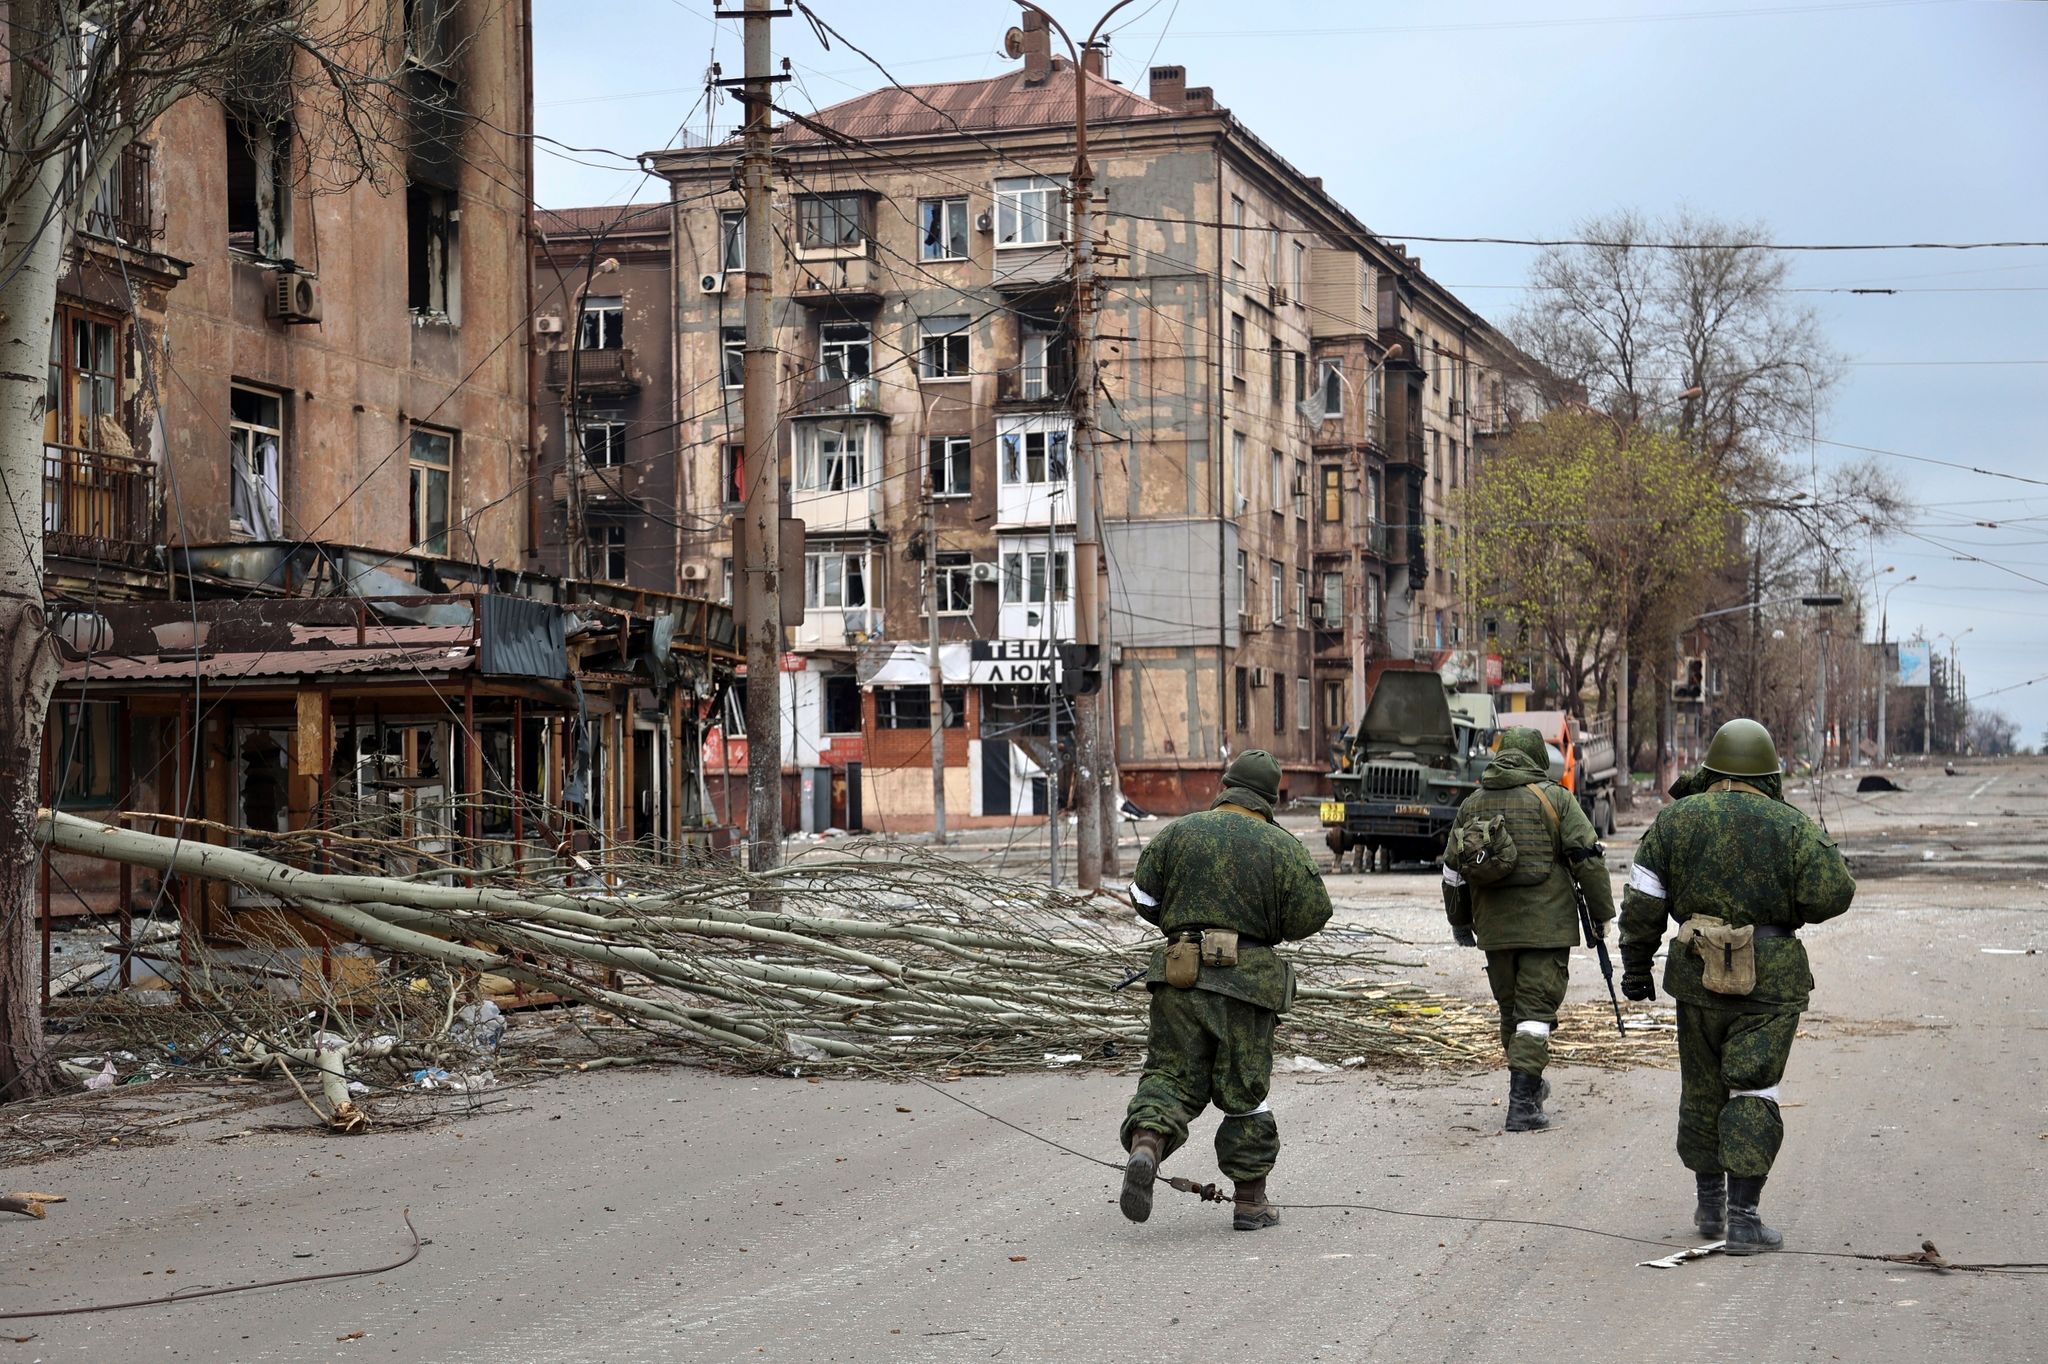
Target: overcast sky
[{"x": 1833, "y": 121}]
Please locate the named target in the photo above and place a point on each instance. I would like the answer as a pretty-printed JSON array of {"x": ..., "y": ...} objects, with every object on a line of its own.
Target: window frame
[
  {"x": 944, "y": 206},
  {"x": 816, "y": 578},
  {"x": 1237, "y": 221},
  {"x": 843, "y": 469},
  {"x": 1276, "y": 474},
  {"x": 607, "y": 551},
  {"x": 601, "y": 320},
  {"x": 1332, "y": 498},
  {"x": 953, "y": 582},
  {"x": 828, "y": 705},
  {"x": 732, "y": 472},
  {"x": 732, "y": 349},
  {"x": 948, "y": 340},
  {"x": 1333, "y": 602},
  {"x": 243, "y": 433},
  {"x": 817, "y": 211},
  {"x": 421, "y": 477},
  {"x": 850, "y": 346},
  {"x": 1301, "y": 597},
  {"x": 1330, "y": 380},
  {"x": 1237, "y": 346},
  {"x": 1035, "y": 577},
  {"x": 1011, "y": 194},
  {"x": 1279, "y": 690},
  {"x": 1276, "y": 590},
  {"x": 949, "y": 462},
  {"x": 1054, "y": 459},
  {"x": 732, "y": 240},
  {"x": 613, "y": 424}
]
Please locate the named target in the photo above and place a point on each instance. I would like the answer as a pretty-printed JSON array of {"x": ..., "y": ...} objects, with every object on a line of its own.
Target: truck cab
[{"x": 1417, "y": 754}]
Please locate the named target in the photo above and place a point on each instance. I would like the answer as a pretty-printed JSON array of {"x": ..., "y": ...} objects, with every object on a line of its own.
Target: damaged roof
[{"x": 270, "y": 663}]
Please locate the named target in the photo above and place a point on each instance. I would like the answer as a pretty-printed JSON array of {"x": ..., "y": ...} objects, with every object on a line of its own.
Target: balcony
[
  {"x": 600, "y": 485},
  {"x": 838, "y": 397},
  {"x": 1408, "y": 450},
  {"x": 124, "y": 210},
  {"x": 1379, "y": 540},
  {"x": 99, "y": 507},
  {"x": 1035, "y": 386},
  {"x": 851, "y": 282},
  {"x": 595, "y": 371},
  {"x": 1409, "y": 357}
]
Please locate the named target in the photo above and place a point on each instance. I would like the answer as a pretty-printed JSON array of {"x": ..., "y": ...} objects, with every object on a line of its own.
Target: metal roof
[
  {"x": 311, "y": 664},
  {"x": 611, "y": 220},
  {"x": 1003, "y": 101}
]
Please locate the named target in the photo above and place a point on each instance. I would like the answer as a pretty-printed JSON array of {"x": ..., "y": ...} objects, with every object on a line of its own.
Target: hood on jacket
[
  {"x": 1514, "y": 767},
  {"x": 1252, "y": 781}
]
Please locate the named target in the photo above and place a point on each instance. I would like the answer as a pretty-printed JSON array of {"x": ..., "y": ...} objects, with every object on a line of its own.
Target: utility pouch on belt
[
  {"x": 1183, "y": 964},
  {"x": 1219, "y": 947},
  {"x": 1727, "y": 954}
]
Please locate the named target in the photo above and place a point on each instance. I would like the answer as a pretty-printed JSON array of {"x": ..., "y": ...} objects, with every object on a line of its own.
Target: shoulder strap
[
  {"x": 1730, "y": 784},
  {"x": 1550, "y": 815}
]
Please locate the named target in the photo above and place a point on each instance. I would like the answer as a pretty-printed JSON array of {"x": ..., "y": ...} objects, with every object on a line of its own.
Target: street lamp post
[
  {"x": 1884, "y": 670},
  {"x": 1928, "y": 737}
]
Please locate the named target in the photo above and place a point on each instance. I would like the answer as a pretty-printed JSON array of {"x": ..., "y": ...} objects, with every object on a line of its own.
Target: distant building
[{"x": 1273, "y": 486}]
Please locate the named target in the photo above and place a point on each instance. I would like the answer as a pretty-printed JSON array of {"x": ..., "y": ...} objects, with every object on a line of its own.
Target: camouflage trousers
[
  {"x": 1208, "y": 1048},
  {"x": 1528, "y": 985},
  {"x": 1729, "y": 1065}
]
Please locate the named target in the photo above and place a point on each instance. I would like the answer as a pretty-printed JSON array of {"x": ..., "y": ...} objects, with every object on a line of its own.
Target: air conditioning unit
[
  {"x": 694, "y": 572},
  {"x": 1260, "y": 677},
  {"x": 985, "y": 222},
  {"x": 1278, "y": 296},
  {"x": 294, "y": 298},
  {"x": 548, "y": 326},
  {"x": 857, "y": 276},
  {"x": 1457, "y": 408},
  {"x": 985, "y": 573},
  {"x": 711, "y": 282}
]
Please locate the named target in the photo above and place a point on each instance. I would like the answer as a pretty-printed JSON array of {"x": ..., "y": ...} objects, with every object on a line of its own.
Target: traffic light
[{"x": 1080, "y": 669}]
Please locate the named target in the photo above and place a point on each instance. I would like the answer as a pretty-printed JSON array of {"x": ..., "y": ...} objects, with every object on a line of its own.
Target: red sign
[
  {"x": 792, "y": 663},
  {"x": 1493, "y": 670}
]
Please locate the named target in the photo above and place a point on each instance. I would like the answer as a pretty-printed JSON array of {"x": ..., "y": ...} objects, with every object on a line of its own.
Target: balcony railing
[
  {"x": 95, "y": 506},
  {"x": 600, "y": 484},
  {"x": 1026, "y": 384},
  {"x": 124, "y": 210},
  {"x": 832, "y": 397},
  {"x": 596, "y": 371}
]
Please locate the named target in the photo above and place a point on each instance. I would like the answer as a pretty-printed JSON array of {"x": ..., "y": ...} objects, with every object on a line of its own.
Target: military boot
[
  {"x": 1526, "y": 1094},
  {"x": 1249, "y": 1209},
  {"x": 1711, "y": 1216},
  {"x": 1747, "y": 1234},
  {"x": 1139, "y": 1171}
]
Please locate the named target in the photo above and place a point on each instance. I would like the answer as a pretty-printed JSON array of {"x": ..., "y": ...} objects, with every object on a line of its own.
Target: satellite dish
[{"x": 1013, "y": 43}]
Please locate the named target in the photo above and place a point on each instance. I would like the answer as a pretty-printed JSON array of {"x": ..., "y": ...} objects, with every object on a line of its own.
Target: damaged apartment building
[
  {"x": 290, "y": 511},
  {"x": 1286, "y": 406}
]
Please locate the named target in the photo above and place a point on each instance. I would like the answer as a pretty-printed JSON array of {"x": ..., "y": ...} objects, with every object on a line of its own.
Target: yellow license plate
[{"x": 1333, "y": 812}]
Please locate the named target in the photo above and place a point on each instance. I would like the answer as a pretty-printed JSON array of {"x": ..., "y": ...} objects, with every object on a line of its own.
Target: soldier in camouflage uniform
[
  {"x": 1231, "y": 868},
  {"x": 1528, "y": 922},
  {"x": 1733, "y": 852}
]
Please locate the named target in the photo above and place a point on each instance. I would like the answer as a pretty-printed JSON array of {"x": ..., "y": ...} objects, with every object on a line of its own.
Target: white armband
[
  {"x": 1138, "y": 894},
  {"x": 1451, "y": 878},
  {"x": 1641, "y": 878}
]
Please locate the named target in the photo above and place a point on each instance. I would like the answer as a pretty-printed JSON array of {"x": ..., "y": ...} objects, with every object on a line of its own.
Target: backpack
[{"x": 1484, "y": 852}]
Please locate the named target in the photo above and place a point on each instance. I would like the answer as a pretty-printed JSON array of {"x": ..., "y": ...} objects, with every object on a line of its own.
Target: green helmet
[
  {"x": 1742, "y": 748},
  {"x": 1522, "y": 739}
]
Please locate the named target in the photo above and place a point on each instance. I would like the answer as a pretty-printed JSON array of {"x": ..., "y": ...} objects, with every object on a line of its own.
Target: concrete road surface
[{"x": 676, "y": 1215}]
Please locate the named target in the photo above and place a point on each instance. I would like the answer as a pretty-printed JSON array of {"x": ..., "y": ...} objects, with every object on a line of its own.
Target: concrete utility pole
[
  {"x": 937, "y": 679},
  {"x": 1093, "y": 765},
  {"x": 761, "y": 609},
  {"x": 1885, "y": 671}
]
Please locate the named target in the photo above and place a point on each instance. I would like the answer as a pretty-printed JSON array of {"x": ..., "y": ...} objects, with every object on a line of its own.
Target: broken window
[
  {"x": 601, "y": 325},
  {"x": 945, "y": 229},
  {"x": 255, "y": 463},
  {"x": 608, "y": 551},
  {"x": 604, "y": 441},
  {"x": 87, "y": 742},
  {"x": 835, "y": 580},
  {"x": 1029, "y": 211},
  {"x": 82, "y": 400},
  {"x": 842, "y": 704},
  {"x": 944, "y": 351},
  {"x": 732, "y": 239},
  {"x": 950, "y": 465},
  {"x": 844, "y": 350},
  {"x": 733, "y": 350},
  {"x": 427, "y": 40},
  {"x": 1035, "y": 457},
  {"x": 832, "y": 458},
  {"x": 954, "y": 585},
  {"x": 259, "y": 186},
  {"x": 433, "y": 469},
  {"x": 829, "y": 220},
  {"x": 262, "y": 802},
  {"x": 432, "y": 287},
  {"x": 1028, "y": 575},
  {"x": 911, "y": 707},
  {"x": 732, "y": 474}
]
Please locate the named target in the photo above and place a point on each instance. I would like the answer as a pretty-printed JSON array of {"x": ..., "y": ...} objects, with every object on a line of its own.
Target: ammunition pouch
[
  {"x": 1727, "y": 953},
  {"x": 1184, "y": 962},
  {"x": 1219, "y": 947}
]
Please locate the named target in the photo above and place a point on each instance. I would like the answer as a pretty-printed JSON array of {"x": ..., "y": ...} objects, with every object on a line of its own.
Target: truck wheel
[{"x": 1603, "y": 816}]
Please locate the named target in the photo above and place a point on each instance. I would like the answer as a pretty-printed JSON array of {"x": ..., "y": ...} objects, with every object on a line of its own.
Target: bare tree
[
  {"x": 83, "y": 80},
  {"x": 1990, "y": 734}
]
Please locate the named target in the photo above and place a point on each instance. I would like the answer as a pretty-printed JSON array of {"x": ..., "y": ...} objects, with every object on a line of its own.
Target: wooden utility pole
[
  {"x": 937, "y": 679},
  {"x": 761, "y": 515}
]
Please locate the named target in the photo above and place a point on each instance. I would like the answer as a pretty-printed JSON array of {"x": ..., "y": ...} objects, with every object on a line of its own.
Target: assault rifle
[{"x": 1599, "y": 946}]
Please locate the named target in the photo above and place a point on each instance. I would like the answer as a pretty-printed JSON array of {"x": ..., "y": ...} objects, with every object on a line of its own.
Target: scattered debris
[
  {"x": 1677, "y": 1258},
  {"x": 28, "y": 1204}
]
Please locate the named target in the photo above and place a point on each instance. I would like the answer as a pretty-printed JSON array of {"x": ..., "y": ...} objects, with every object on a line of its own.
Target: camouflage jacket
[
  {"x": 1230, "y": 868},
  {"x": 1743, "y": 858},
  {"x": 1507, "y": 918}
]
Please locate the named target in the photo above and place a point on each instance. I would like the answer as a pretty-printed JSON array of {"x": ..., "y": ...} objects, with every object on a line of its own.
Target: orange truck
[{"x": 1580, "y": 761}]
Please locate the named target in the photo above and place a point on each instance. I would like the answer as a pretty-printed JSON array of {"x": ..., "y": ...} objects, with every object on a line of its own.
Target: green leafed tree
[{"x": 1584, "y": 532}]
